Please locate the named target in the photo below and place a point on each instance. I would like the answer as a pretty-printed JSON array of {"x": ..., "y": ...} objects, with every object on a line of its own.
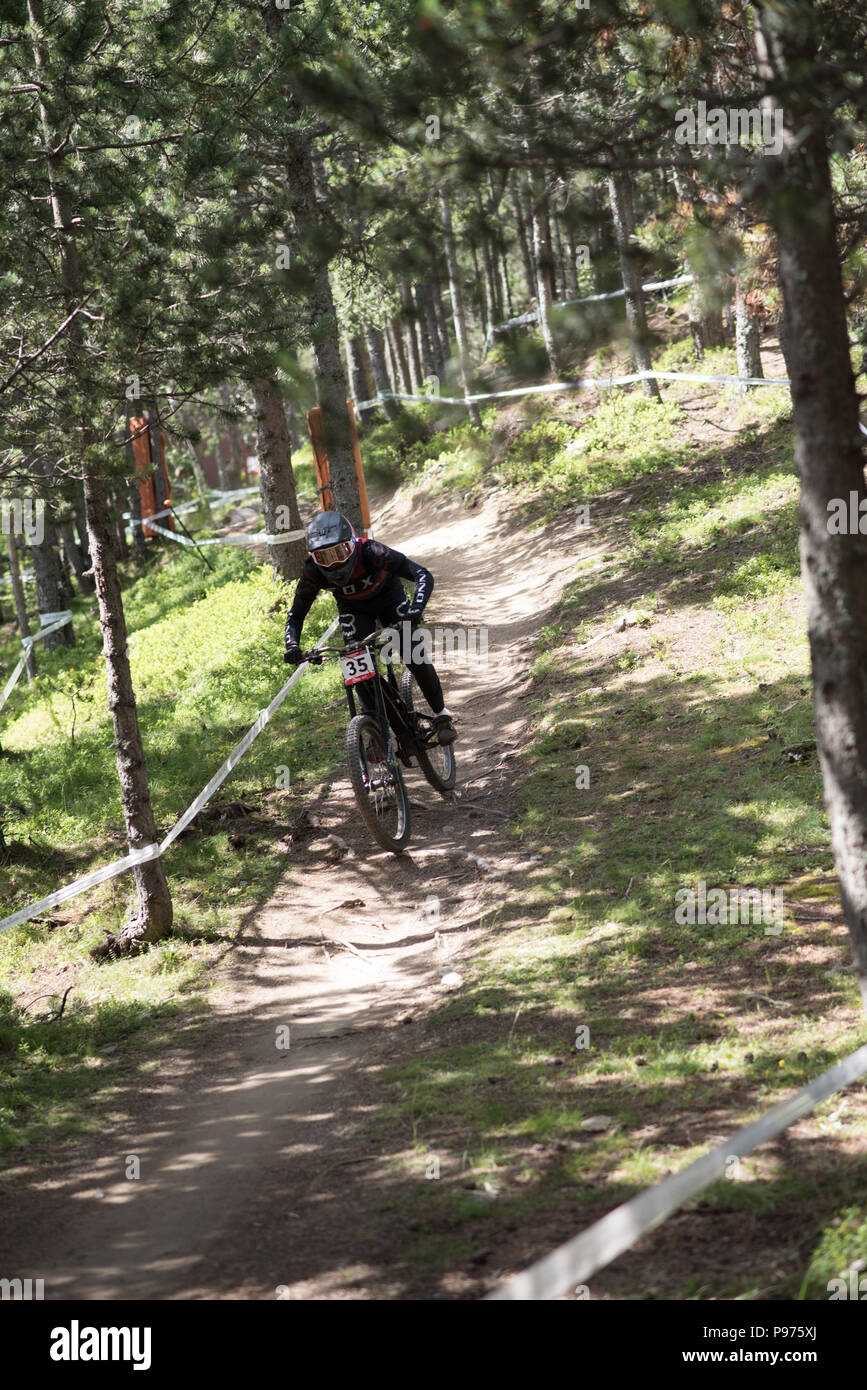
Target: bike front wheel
[{"x": 378, "y": 785}]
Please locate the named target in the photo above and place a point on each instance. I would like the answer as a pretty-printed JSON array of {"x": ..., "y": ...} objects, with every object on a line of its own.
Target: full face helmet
[{"x": 332, "y": 545}]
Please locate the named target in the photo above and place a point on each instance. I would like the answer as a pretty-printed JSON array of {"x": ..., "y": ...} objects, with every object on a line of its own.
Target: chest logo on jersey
[{"x": 369, "y": 581}]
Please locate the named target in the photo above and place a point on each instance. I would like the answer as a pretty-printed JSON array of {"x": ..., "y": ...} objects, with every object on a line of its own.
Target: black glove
[
  {"x": 292, "y": 656},
  {"x": 407, "y": 613}
]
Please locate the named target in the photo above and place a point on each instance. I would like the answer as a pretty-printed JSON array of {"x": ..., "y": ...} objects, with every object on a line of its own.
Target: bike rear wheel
[
  {"x": 437, "y": 762},
  {"x": 379, "y": 788}
]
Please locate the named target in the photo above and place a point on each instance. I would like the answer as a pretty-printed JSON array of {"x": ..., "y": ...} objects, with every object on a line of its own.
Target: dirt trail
[{"x": 245, "y": 1148}]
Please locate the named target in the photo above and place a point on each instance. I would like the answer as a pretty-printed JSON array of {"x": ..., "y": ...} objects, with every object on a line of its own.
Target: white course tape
[
  {"x": 581, "y": 384},
  {"x": 533, "y": 315},
  {"x": 259, "y": 538},
  {"x": 120, "y": 866},
  {"x": 54, "y": 621},
  {"x": 228, "y": 496},
  {"x": 210, "y": 496},
  {"x": 81, "y": 885},
  {"x": 166, "y": 511},
  {"x": 13, "y": 680},
  {"x": 574, "y": 1262}
]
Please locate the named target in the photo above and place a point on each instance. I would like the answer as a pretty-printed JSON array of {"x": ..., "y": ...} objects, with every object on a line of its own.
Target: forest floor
[
  {"x": 249, "y": 1163},
  {"x": 417, "y": 1140}
]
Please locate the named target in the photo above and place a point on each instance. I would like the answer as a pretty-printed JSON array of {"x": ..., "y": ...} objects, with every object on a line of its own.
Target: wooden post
[{"x": 316, "y": 430}]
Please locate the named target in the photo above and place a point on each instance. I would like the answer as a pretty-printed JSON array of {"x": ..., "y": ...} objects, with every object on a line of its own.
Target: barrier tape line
[
  {"x": 13, "y": 680},
  {"x": 209, "y": 496},
  {"x": 533, "y": 315},
  {"x": 259, "y": 538},
  {"x": 61, "y": 621},
  {"x": 80, "y": 885},
  {"x": 27, "y": 642},
  {"x": 140, "y": 856},
  {"x": 582, "y": 383},
  {"x": 578, "y": 1259}
]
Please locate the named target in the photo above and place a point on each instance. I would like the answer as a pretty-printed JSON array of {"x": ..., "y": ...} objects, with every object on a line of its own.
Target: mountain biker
[{"x": 364, "y": 576}]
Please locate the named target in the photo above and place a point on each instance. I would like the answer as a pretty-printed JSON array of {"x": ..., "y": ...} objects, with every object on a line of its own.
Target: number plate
[{"x": 358, "y": 666}]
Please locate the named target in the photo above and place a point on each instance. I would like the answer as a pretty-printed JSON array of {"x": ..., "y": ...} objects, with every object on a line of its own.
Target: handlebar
[{"x": 316, "y": 655}]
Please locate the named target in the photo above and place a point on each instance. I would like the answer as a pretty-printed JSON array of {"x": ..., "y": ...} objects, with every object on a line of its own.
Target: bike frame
[{"x": 389, "y": 709}]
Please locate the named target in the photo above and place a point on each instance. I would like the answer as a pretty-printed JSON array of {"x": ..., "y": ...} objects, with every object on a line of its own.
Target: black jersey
[{"x": 375, "y": 566}]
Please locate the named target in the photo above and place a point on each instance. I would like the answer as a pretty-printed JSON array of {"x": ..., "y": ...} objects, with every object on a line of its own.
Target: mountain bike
[{"x": 392, "y": 732}]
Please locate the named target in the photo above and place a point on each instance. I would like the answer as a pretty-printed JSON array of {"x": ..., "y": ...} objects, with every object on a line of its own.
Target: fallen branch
[
  {"x": 349, "y": 946},
  {"x": 777, "y": 1003}
]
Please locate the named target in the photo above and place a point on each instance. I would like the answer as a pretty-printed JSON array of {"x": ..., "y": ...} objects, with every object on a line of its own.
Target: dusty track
[{"x": 245, "y": 1149}]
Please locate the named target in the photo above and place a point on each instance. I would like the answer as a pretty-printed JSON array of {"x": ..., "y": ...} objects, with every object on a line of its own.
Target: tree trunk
[
  {"x": 75, "y": 558},
  {"x": 747, "y": 342},
  {"x": 705, "y": 313},
  {"x": 506, "y": 288},
  {"x": 497, "y": 246},
  {"x": 81, "y": 526},
  {"x": 18, "y": 600},
  {"x": 435, "y": 299},
  {"x": 331, "y": 386},
  {"x": 830, "y": 458},
  {"x": 430, "y": 365},
  {"x": 410, "y": 316},
  {"x": 276, "y": 481},
  {"x": 559, "y": 255},
  {"x": 544, "y": 266},
  {"x": 362, "y": 387},
  {"x": 155, "y": 905},
  {"x": 49, "y": 589},
  {"x": 398, "y": 357},
  {"x": 572, "y": 291},
  {"x": 491, "y": 314},
  {"x": 523, "y": 239},
  {"x": 390, "y": 365},
  {"x": 598, "y": 257},
  {"x": 139, "y": 543},
  {"x": 431, "y": 356},
  {"x": 457, "y": 304},
  {"x": 236, "y": 467},
  {"x": 620, "y": 195},
  {"x": 67, "y": 587},
  {"x": 121, "y": 544},
  {"x": 294, "y": 437},
  {"x": 196, "y": 451},
  {"x": 332, "y": 392},
  {"x": 376, "y": 349},
  {"x": 439, "y": 342},
  {"x": 154, "y": 918}
]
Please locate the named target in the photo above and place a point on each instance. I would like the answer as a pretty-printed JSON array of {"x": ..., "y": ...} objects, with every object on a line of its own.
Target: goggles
[{"x": 333, "y": 554}]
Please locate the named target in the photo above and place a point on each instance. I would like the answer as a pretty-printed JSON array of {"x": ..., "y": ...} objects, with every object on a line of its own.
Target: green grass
[
  {"x": 205, "y": 650},
  {"x": 682, "y": 722}
]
